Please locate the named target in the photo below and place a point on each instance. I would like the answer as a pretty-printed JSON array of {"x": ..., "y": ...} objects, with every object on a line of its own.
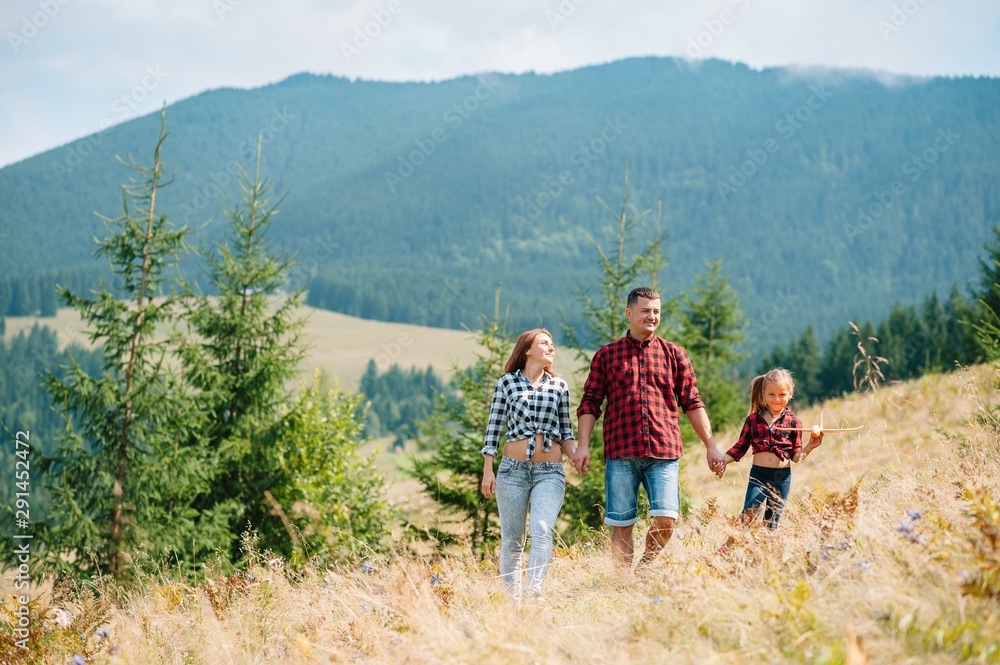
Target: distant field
[
  {"x": 339, "y": 344},
  {"x": 342, "y": 345}
]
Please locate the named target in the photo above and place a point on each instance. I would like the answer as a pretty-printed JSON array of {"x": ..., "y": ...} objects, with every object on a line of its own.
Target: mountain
[{"x": 828, "y": 195}]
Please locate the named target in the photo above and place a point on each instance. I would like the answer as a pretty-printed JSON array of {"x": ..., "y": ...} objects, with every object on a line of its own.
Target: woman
[{"x": 534, "y": 402}]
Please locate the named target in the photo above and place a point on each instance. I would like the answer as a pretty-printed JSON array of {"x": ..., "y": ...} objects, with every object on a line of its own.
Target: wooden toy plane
[{"x": 816, "y": 430}]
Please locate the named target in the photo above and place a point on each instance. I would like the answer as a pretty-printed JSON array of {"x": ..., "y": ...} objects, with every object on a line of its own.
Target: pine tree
[
  {"x": 835, "y": 375},
  {"x": 711, "y": 330},
  {"x": 620, "y": 269},
  {"x": 983, "y": 318},
  {"x": 128, "y": 469},
  {"x": 454, "y": 431},
  {"x": 806, "y": 363},
  {"x": 909, "y": 342},
  {"x": 961, "y": 344},
  {"x": 244, "y": 346},
  {"x": 988, "y": 292},
  {"x": 934, "y": 327},
  {"x": 369, "y": 379}
]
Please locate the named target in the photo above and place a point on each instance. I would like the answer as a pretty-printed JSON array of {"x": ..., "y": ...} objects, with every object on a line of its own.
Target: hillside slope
[{"x": 871, "y": 564}]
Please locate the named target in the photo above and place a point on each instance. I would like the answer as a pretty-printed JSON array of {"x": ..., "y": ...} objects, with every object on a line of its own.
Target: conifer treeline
[
  {"x": 24, "y": 405},
  {"x": 914, "y": 340},
  {"x": 433, "y": 298},
  {"x": 490, "y": 203},
  {"x": 398, "y": 399},
  {"x": 35, "y": 294}
]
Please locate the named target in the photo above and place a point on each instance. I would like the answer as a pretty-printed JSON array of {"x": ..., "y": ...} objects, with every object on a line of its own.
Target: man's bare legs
[
  {"x": 623, "y": 547},
  {"x": 659, "y": 533}
]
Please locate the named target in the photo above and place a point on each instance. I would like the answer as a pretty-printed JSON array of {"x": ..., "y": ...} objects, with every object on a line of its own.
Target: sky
[{"x": 69, "y": 68}]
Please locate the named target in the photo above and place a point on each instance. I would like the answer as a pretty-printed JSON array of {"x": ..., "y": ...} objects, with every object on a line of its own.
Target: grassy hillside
[{"x": 849, "y": 577}]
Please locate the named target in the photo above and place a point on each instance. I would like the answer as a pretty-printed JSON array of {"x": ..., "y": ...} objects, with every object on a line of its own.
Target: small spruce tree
[
  {"x": 452, "y": 472},
  {"x": 983, "y": 317},
  {"x": 620, "y": 269},
  {"x": 242, "y": 347},
  {"x": 711, "y": 330},
  {"x": 128, "y": 469}
]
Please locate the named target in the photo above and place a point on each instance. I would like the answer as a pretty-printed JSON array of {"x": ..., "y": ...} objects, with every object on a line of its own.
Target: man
[{"x": 645, "y": 379}]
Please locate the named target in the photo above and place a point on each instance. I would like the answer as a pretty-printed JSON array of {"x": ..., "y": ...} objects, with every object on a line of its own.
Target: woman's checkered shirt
[{"x": 528, "y": 411}]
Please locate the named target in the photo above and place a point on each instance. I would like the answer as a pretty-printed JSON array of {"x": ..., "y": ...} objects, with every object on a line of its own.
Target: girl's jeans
[
  {"x": 767, "y": 490},
  {"x": 540, "y": 487}
]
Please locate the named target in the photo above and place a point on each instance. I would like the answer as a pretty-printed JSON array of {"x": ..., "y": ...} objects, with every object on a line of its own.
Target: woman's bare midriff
[
  {"x": 770, "y": 460},
  {"x": 517, "y": 449}
]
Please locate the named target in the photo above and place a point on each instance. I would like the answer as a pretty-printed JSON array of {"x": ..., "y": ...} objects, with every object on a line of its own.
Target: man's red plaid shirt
[{"x": 646, "y": 385}]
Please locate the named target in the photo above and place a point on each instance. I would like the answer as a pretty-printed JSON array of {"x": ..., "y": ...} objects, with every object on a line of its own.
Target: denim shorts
[
  {"x": 767, "y": 490},
  {"x": 622, "y": 478}
]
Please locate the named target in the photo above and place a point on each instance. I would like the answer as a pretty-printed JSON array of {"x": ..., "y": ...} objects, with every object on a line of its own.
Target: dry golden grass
[
  {"x": 340, "y": 345},
  {"x": 838, "y": 582}
]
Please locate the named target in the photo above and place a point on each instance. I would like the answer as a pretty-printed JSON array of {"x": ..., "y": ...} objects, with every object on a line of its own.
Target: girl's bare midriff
[
  {"x": 770, "y": 460},
  {"x": 517, "y": 449}
]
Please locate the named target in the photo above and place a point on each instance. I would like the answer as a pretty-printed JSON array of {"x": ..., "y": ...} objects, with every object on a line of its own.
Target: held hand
[
  {"x": 581, "y": 459},
  {"x": 489, "y": 484},
  {"x": 716, "y": 460},
  {"x": 726, "y": 461}
]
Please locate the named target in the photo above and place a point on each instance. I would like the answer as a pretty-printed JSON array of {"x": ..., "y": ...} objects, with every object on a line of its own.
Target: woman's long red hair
[{"x": 519, "y": 356}]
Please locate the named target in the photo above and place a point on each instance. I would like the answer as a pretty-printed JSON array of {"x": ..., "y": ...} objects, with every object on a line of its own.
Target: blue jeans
[
  {"x": 622, "y": 478},
  {"x": 541, "y": 487},
  {"x": 767, "y": 490}
]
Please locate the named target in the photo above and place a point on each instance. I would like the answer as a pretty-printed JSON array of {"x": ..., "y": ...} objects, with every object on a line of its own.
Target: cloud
[{"x": 89, "y": 53}]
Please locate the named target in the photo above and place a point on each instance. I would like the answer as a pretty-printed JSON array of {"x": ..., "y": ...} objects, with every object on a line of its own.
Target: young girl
[
  {"x": 773, "y": 451},
  {"x": 534, "y": 403}
]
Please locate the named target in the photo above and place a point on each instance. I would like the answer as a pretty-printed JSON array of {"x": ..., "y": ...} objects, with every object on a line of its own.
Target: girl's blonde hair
[{"x": 777, "y": 375}]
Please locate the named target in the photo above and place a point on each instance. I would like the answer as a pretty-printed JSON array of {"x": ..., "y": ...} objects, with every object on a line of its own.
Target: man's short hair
[{"x": 641, "y": 292}]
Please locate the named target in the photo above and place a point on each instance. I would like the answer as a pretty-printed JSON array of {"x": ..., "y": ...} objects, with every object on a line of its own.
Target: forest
[{"x": 853, "y": 192}]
